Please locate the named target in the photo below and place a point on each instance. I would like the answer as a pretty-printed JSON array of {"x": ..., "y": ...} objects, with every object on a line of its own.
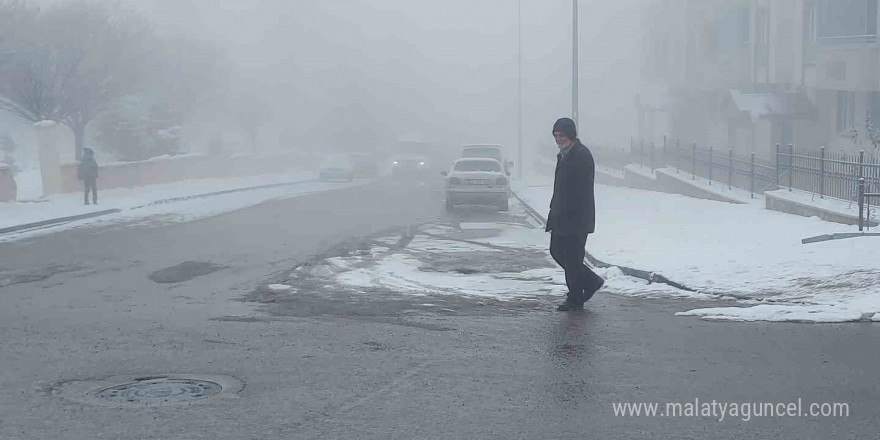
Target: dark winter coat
[
  {"x": 573, "y": 207},
  {"x": 88, "y": 169}
]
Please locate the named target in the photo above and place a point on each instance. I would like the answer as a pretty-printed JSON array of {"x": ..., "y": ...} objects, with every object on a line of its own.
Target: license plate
[{"x": 478, "y": 181}]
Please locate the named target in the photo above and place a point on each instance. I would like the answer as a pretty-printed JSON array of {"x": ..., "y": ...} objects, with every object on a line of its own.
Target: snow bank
[{"x": 735, "y": 250}]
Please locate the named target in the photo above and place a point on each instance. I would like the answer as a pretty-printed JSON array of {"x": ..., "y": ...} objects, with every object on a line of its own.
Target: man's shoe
[
  {"x": 570, "y": 307},
  {"x": 588, "y": 293}
]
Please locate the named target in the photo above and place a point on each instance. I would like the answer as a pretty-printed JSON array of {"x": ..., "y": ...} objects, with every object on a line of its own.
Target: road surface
[{"x": 80, "y": 307}]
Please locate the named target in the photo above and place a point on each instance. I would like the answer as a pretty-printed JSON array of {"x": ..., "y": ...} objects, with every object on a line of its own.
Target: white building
[{"x": 747, "y": 74}]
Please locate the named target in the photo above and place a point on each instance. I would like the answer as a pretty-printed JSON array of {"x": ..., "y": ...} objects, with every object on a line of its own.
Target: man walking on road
[
  {"x": 88, "y": 173},
  {"x": 573, "y": 215}
]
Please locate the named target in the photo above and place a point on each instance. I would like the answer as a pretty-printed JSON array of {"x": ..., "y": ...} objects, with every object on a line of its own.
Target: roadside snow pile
[
  {"x": 742, "y": 251},
  {"x": 162, "y": 204}
]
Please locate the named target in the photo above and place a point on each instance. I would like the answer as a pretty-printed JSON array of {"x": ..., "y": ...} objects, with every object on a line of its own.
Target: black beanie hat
[{"x": 566, "y": 126}]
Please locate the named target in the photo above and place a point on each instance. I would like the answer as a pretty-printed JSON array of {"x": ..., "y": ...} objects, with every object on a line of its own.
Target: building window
[
  {"x": 731, "y": 28},
  {"x": 841, "y": 22},
  {"x": 762, "y": 37},
  {"x": 846, "y": 109}
]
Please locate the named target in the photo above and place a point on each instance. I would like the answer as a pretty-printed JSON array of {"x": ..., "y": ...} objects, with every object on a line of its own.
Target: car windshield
[
  {"x": 478, "y": 165},
  {"x": 494, "y": 153},
  {"x": 336, "y": 161}
]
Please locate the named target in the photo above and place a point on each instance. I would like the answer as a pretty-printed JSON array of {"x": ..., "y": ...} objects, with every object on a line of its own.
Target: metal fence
[
  {"x": 820, "y": 172},
  {"x": 827, "y": 174}
]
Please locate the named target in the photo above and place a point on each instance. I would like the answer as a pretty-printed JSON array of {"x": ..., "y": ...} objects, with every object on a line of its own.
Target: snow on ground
[
  {"x": 414, "y": 270},
  {"x": 735, "y": 250},
  {"x": 150, "y": 204},
  {"x": 611, "y": 171},
  {"x": 641, "y": 170}
]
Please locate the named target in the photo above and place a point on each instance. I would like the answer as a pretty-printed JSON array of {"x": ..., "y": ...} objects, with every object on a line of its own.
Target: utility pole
[
  {"x": 519, "y": 159},
  {"x": 575, "y": 108}
]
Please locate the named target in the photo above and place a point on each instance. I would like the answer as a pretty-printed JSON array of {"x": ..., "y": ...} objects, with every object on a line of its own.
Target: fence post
[
  {"x": 822, "y": 172},
  {"x": 790, "y": 166},
  {"x": 711, "y": 161},
  {"x": 642, "y": 152},
  {"x": 632, "y": 146},
  {"x": 752, "y": 183},
  {"x": 652, "y": 157},
  {"x": 861, "y": 202},
  {"x": 861, "y": 164},
  {"x": 730, "y": 170},
  {"x": 777, "y": 165},
  {"x": 663, "y": 165},
  {"x": 694, "y": 163},
  {"x": 677, "y": 154}
]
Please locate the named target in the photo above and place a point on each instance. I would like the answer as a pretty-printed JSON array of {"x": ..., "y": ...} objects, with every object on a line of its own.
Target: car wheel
[
  {"x": 449, "y": 205},
  {"x": 504, "y": 205}
]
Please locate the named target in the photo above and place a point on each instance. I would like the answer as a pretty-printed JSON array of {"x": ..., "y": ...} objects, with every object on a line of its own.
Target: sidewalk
[
  {"x": 741, "y": 251},
  {"x": 125, "y": 204}
]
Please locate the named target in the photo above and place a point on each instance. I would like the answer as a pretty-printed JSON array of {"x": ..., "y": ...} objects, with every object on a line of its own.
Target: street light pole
[
  {"x": 574, "y": 85},
  {"x": 519, "y": 159}
]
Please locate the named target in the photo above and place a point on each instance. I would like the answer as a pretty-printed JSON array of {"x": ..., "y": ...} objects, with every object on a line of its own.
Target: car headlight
[
  {"x": 396, "y": 163},
  {"x": 421, "y": 163}
]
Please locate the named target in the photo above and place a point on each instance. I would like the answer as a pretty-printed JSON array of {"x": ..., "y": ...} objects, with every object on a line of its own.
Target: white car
[
  {"x": 477, "y": 181},
  {"x": 337, "y": 167},
  {"x": 487, "y": 151}
]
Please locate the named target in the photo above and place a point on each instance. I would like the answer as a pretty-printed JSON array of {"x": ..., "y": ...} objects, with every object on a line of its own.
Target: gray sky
[{"x": 428, "y": 68}]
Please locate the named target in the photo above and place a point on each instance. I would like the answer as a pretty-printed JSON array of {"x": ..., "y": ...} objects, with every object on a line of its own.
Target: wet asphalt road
[{"x": 80, "y": 305}]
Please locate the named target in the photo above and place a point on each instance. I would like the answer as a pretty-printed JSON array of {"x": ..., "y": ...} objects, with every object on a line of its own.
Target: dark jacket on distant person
[
  {"x": 573, "y": 207},
  {"x": 88, "y": 166}
]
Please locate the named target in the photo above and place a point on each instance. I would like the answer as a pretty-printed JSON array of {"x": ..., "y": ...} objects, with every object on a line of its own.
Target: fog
[{"x": 435, "y": 71}]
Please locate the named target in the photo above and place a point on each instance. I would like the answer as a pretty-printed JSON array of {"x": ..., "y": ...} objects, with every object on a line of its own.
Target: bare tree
[{"x": 75, "y": 60}]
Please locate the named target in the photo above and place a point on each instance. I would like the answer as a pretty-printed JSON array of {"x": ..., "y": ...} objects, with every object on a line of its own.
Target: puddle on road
[
  {"x": 319, "y": 290},
  {"x": 184, "y": 272},
  {"x": 12, "y": 278}
]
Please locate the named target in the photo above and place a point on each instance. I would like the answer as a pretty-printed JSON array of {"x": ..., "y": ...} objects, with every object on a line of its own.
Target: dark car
[{"x": 410, "y": 166}]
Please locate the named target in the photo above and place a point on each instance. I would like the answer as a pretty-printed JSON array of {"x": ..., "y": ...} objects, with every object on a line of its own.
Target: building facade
[{"x": 748, "y": 74}]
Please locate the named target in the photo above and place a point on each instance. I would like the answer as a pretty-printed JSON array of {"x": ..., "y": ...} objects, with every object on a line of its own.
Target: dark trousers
[
  {"x": 569, "y": 252},
  {"x": 91, "y": 185}
]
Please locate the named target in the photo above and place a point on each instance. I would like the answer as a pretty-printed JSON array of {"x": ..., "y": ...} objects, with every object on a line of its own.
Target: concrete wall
[
  {"x": 8, "y": 189},
  {"x": 670, "y": 184},
  {"x": 792, "y": 207},
  {"x": 151, "y": 172}
]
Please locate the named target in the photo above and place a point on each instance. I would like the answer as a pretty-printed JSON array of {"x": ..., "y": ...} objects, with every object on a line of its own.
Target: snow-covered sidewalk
[
  {"x": 742, "y": 251},
  {"x": 180, "y": 201}
]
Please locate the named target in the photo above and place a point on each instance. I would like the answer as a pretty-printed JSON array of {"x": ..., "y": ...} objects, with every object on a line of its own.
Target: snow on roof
[
  {"x": 482, "y": 146},
  {"x": 761, "y": 105},
  {"x": 477, "y": 159}
]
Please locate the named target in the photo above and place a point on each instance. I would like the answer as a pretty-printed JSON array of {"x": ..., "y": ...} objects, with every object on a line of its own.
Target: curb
[
  {"x": 838, "y": 236},
  {"x": 60, "y": 220},
  {"x": 650, "y": 277},
  {"x": 57, "y": 221},
  {"x": 220, "y": 193}
]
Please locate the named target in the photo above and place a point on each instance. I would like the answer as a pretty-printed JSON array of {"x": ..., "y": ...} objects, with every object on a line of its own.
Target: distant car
[
  {"x": 477, "y": 181},
  {"x": 365, "y": 165},
  {"x": 488, "y": 151},
  {"x": 337, "y": 167},
  {"x": 410, "y": 165}
]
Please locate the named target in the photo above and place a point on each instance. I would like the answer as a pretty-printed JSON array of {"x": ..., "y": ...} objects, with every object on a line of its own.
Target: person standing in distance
[
  {"x": 573, "y": 215},
  {"x": 88, "y": 173}
]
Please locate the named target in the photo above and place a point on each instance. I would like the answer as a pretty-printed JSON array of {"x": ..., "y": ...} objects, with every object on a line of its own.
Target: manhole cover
[{"x": 161, "y": 390}]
